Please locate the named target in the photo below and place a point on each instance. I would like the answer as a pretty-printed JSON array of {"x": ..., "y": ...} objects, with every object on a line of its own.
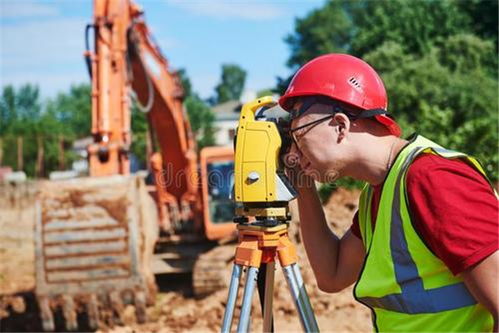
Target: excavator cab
[{"x": 217, "y": 178}]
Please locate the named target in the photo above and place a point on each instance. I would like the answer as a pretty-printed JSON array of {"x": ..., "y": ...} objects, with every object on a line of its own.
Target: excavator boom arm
[{"x": 125, "y": 63}]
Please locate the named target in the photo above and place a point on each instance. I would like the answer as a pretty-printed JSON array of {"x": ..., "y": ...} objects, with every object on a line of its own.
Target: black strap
[
  {"x": 336, "y": 108},
  {"x": 370, "y": 113}
]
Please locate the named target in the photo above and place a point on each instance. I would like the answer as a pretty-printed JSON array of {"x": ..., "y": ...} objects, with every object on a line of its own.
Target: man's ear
[{"x": 342, "y": 125}]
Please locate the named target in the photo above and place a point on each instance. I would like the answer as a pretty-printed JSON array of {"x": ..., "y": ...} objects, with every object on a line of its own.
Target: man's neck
[{"x": 375, "y": 158}]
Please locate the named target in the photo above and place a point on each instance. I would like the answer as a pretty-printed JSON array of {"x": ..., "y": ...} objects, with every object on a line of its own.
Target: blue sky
[{"x": 42, "y": 41}]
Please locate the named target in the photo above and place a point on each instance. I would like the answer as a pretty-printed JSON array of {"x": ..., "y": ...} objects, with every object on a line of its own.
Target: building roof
[
  {"x": 81, "y": 144},
  {"x": 229, "y": 110}
]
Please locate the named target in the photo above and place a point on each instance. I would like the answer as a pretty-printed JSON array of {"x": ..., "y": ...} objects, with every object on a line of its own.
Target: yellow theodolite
[
  {"x": 263, "y": 192},
  {"x": 260, "y": 183}
]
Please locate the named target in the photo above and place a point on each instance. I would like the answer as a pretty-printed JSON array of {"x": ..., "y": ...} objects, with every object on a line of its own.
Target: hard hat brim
[{"x": 389, "y": 123}]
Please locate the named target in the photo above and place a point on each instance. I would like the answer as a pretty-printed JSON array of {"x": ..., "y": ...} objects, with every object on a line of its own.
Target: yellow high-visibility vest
[{"x": 407, "y": 287}]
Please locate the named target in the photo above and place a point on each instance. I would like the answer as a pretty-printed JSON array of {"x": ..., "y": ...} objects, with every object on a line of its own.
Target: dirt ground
[
  {"x": 176, "y": 309},
  {"x": 17, "y": 216}
]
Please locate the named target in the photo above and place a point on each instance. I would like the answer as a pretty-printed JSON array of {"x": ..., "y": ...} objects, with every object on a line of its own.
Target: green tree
[
  {"x": 484, "y": 17},
  {"x": 323, "y": 30},
  {"x": 24, "y": 117},
  {"x": 74, "y": 109},
  {"x": 139, "y": 126},
  {"x": 416, "y": 25},
  {"x": 67, "y": 117},
  {"x": 437, "y": 95},
  {"x": 265, "y": 92},
  {"x": 201, "y": 117},
  {"x": 185, "y": 81},
  {"x": 20, "y": 109},
  {"x": 231, "y": 83}
]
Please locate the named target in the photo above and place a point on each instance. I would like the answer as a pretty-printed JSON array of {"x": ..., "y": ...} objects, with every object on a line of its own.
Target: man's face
[{"x": 317, "y": 145}]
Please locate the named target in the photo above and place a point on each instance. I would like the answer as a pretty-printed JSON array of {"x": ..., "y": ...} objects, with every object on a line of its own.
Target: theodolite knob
[{"x": 253, "y": 176}]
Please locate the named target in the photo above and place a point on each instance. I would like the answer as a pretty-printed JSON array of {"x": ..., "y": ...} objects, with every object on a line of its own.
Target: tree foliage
[
  {"x": 41, "y": 127},
  {"x": 231, "y": 83},
  {"x": 140, "y": 134},
  {"x": 73, "y": 109},
  {"x": 483, "y": 15},
  {"x": 438, "y": 60},
  {"x": 265, "y": 92},
  {"x": 67, "y": 117},
  {"x": 414, "y": 24},
  {"x": 202, "y": 119},
  {"x": 200, "y": 114},
  {"x": 324, "y": 30}
]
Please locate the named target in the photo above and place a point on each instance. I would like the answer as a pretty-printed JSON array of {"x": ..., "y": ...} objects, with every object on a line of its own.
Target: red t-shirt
[{"x": 453, "y": 209}]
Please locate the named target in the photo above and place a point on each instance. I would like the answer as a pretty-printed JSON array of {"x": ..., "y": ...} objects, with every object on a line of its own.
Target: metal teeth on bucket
[{"x": 93, "y": 305}]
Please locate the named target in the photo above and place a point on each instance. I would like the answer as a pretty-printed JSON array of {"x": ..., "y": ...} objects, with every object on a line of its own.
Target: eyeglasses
[{"x": 299, "y": 132}]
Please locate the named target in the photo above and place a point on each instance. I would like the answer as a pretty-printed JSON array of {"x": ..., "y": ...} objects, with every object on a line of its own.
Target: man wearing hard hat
[{"x": 423, "y": 246}]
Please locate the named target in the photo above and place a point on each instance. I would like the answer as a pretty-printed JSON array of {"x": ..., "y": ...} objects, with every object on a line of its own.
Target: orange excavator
[{"x": 95, "y": 236}]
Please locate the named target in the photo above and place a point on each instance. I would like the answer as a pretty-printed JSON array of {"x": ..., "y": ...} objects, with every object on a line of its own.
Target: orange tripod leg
[{"x": 259, "y": 245}]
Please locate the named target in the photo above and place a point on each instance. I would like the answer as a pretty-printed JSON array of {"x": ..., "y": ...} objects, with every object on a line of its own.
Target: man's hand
[
  {"x": 336, "y": 262},
  {"x": 294, "y": 171},
  {"x": 481, "y": 281}
]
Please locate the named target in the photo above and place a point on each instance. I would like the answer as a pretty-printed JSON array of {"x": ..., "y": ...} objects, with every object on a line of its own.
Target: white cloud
[
  {"x": 48, "y": 52},
  {"x": 248, "y": 10},
  {"x": 17, "y": 9},
  {"x": 50, "y": 84},
  {"x": 41, "y": 42}
]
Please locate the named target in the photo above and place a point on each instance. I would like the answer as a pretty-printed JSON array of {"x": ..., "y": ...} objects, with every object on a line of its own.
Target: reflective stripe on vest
[{"x": 414, "y": 298}]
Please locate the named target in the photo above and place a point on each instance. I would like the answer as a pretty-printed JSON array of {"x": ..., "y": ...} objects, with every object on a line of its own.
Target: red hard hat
[{"x": 344, "y": 78}]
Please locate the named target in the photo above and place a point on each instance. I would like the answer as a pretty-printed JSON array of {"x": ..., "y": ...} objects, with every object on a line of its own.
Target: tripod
[{"x": 257, "y": 248}]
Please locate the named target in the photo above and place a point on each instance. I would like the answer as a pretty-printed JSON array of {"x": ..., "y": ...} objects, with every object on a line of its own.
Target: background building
[{"x": 226, "y": 118}]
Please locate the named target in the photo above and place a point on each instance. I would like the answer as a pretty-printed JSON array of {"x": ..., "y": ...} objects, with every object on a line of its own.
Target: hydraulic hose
[
  {"x": 88, "y": 59},
  {"x": 135, "y": 54}
]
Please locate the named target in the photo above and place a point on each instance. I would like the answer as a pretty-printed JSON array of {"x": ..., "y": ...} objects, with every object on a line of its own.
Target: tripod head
[{"x": 261, "y": 186}]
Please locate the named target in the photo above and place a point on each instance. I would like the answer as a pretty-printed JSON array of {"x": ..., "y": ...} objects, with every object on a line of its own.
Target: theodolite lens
[{"x": 286, "y": 140}]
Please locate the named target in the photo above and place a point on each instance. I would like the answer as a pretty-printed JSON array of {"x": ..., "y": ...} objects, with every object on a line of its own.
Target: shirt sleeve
[{"x": 454, "y": 210}]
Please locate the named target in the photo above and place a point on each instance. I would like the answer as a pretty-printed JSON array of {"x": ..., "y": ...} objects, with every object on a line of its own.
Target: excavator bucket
[{"x": 93, "y": 241}]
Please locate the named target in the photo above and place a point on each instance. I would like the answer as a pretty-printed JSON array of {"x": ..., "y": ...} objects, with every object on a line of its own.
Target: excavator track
[{"x": 212, "y": 270}]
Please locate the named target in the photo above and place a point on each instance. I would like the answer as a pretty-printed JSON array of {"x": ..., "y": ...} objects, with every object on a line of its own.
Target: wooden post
[
  {"x": 39, "y": 170},
  {"x": 20, "y": 161},
  {"x": 62, "y": 162}
]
